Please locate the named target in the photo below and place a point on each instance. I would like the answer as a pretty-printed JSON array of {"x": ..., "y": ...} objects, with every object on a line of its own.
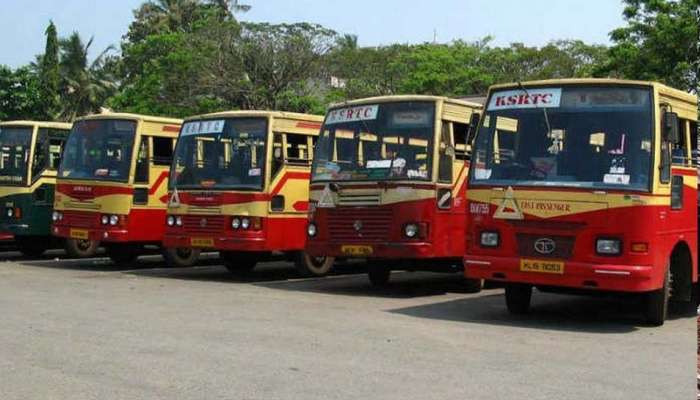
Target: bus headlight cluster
[
  {"x": 411, "y": 230},
  {"x": 173, "y": 220},
  {"x": 57, "y": 216},
  {"x": 10, "y": 212},
  {"x": 246, "y": 223},
  {"x": 490, "y": 239},
  {"x": 608, "y": 247},
  {"x": 110, "y": 219},
  {"x": 311, "y": 229}
]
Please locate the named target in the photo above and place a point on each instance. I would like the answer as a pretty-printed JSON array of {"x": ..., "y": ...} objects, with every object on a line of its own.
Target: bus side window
[
  {"x": 41, "y": 151},
  {"x": 277, "y": 154},
  {"x": 56, "y": 145},
  {"x": 297, "y": 149},
  {"x": 679, "y": 151},
  {"x": 462, "y": 148},
  {"x": 447, "y": 153},
  {"x": 694, "y": 142},
  {"x": 162, "y": 151},
  {"x": 141, "y": 173}
]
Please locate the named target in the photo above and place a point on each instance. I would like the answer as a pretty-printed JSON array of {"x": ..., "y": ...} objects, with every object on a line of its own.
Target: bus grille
[
  {"x": 563, "y": 249},
  {"x": 204, "y": 224},
  {"x": 359, "y": 224},
  {"x": 81, "y": 219},
  {"x": 358, "y": 199}
]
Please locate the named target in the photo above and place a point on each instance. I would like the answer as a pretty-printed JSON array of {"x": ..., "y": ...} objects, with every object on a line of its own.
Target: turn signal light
[{"x": 640, "y": 247}]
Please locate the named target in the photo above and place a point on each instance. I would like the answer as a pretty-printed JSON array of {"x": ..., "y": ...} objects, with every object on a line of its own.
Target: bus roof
[
  {"x": 40, "y": 124},
  {"x": 664, "y": 89},
  {"x": 387, "y": 99},
  {"x": 135, "y": 117},
  {"x": 257, "y": 113}
]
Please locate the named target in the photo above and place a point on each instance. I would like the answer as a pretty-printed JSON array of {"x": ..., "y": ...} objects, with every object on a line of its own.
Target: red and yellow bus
[
  {"x": 241, "y": 186},
  {"x": 586, "y": 186},
  {"x": 112, "y": 184},
  {"x": 388, "y": 183}
]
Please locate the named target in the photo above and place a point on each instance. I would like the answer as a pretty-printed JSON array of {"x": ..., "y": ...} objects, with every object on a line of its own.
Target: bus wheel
[
  {"x": 32, "y": 246},
  {"x": 238, "y": 262},
  {"x": 657, "y": 302},
  {"x": 518, "y": 298},
  {"x": 309, "y": 266},
  {"x": 180, "y": 257},
  {"x": 77, "y": 248},
  {"x": 122, "y": 254},
  {"x": 473, "y": 285},
  {"x": 379, "y": 275}
]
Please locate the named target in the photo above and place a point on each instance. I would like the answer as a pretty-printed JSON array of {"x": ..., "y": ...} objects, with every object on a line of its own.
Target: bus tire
[
  {"x": 473, "y": 285},
  {"x": 180, "y": 257},
  {"x": 122, "y": 253},
  {"x": 239, "y": 262},
  {"x": 309, "y": 267},
  {"x": 518, "y": 298},
  {"x": 378, "y": 275},
  {"x": 32, "y": 246},
  {"x": 657, "y": 302},
  {"x": 77, "y": 248}
]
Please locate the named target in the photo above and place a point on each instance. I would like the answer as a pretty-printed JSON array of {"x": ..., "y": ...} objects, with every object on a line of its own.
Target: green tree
[
  {"x": 660, "y": 42},
  {"x": 86, "y": 86},
  {"x": 20, "y": 96},
  {"x": 49, "y": 75}
]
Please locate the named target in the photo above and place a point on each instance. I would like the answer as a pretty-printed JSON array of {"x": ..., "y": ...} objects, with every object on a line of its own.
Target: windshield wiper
[{"x": 544, "y": 109}]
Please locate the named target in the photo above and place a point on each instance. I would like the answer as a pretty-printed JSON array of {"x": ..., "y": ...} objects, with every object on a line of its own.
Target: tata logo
[
  {"x": 545, "y": 246},
  {"x": 357, "y": 225},
  {"x": 203, "y": 223}
]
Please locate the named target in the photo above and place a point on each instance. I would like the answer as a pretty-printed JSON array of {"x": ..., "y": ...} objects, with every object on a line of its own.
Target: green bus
[{"x": 30, "y": 153}]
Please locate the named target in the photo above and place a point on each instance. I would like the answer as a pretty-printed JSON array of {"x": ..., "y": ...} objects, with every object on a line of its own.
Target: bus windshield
[
  {"x": 99, "y": 149},
  {"x": 589, "y": 137},
  {"x": 375, "y": 142},
  {"x": 15, "y": 147},
  {"x": 221, "y": 154}
]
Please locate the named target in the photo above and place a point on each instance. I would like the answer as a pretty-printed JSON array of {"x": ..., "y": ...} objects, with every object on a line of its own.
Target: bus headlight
[
  {"x": 10, "y": 212},
  {"x": 410, "y": 230},
  {"x": 608, "y": 247},
  {"x": 178, "y": 221},
  {"x": 245, "y": 223},
  {"x": 236, "y": 223},
  {"x": 489, "y": 239},
  {"x": 113, "y": 220},
  {"x": 105, "y": 219},
  {"x": 311, "y": 229},
  {"x": 170, "y": 220},
  {"x": 56, "y": 216}
]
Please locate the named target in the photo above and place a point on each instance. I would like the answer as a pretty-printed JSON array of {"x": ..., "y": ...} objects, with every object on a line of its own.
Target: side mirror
[
  {"x": 671, "y": 133},
  {"x": 473, "y": 125}
]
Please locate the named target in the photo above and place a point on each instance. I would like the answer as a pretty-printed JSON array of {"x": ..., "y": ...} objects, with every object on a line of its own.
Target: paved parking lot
[{"x": 90, "y": 330}]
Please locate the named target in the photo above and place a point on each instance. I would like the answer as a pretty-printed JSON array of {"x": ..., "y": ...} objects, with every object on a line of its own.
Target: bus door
[{"x": 46, "y": 159}]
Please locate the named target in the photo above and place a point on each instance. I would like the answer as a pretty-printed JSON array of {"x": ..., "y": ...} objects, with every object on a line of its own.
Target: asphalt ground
[{"x": 88, "y": 329}]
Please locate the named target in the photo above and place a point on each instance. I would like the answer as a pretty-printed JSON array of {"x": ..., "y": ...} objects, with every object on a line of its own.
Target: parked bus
[
  {"x": 112, "y": 184},
  {"x": 388, "y": 183},
  {"x": 586, "y": 186},
  {"x": 241, "y": 186},
  {"x": 30, "y": 153}
]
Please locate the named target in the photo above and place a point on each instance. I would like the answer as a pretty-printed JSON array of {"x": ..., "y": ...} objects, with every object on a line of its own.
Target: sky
[{"x": 375, "y": 22}]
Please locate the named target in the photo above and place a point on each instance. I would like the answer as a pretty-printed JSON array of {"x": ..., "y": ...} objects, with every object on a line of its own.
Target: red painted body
[
  {"x": 657, "y": 225},
  {"x": 440, "y": 234}
]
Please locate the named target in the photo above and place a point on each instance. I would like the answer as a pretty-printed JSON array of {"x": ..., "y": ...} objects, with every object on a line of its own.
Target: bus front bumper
[
  {"x": 223, "y": 243},
  {"x": 383, "y": 250},
  {"x": 577, "y": 275},
  {"x": 110, "y": 235}
]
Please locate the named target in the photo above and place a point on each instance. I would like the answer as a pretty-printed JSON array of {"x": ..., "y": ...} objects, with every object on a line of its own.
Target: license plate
[
  {"x": 542, "y": 266},
  {"x": 357, "y": 251},
  {"x": 79, "y": 234},
  {"x": 202, "y": 242}
]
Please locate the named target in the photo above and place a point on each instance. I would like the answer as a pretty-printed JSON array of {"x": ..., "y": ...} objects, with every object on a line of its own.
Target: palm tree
[{"x": 85, "y": 85}]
